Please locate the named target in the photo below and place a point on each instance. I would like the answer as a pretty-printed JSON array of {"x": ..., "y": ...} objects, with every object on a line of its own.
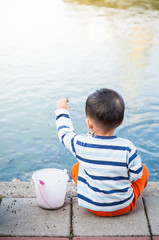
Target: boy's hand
[{"x": 63, "y": 103}]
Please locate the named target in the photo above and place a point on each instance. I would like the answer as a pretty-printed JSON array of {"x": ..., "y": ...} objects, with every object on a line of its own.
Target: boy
[{"x": 109, "y": 174}]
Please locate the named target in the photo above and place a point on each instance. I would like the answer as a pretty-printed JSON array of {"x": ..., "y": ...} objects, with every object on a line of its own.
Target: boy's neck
[
  {"x": 102, "y": 133},
  {"x": 97, "y": 130}
]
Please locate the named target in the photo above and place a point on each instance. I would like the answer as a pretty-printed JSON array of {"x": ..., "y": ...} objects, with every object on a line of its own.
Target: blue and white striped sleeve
[
  {"x": 65, "y": 129},
  {"x": 135, "y": 167}
]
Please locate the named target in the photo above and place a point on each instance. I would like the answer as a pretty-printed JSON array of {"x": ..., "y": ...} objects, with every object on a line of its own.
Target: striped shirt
[{"x": 107, "y": 166}]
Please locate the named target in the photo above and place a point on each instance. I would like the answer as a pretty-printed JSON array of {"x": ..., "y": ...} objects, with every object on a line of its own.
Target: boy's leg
[{"x": 74, "y": 172}]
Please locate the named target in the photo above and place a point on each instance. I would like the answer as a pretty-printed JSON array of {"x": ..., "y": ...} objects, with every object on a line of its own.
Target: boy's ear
[{"x": 89, "y": 123}]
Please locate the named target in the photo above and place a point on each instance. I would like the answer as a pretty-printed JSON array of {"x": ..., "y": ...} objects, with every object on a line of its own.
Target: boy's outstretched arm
[{"x": 64, "y": 125}]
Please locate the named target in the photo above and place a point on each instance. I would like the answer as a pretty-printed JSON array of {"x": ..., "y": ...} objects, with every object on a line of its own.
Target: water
[{"x": 53, "y": 49}]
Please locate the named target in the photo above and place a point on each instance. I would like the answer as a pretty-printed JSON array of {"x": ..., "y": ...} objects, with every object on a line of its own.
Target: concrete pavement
[{"x": 22, "y": 219}]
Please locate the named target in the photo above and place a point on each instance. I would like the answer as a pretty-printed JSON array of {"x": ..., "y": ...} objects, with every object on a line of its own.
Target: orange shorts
[{"x": 138, "y": 186}]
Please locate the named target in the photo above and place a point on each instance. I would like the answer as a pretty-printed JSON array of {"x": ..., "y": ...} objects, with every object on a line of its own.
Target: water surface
[{"x": 53, "y": 49}]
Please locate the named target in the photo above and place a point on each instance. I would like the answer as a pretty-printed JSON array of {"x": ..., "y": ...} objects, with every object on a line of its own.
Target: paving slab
[
  {"x": 22, "y": 217},
  {"x": 18, "y": 189},
  {"x": 152, "y": 208},
  {"x": 112, "y": 238},
  {"x": 86, "y": 223},
  {"x": 152, "y": 190}
]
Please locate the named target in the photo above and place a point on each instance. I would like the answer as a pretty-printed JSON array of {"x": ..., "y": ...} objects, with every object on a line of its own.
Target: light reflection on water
[{"x": 56, "y": 49}]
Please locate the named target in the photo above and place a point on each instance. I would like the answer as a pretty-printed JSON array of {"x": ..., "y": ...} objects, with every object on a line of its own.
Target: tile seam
[
  {"x": 148, "y": 222},
  {"x": 71, "y": 220}
]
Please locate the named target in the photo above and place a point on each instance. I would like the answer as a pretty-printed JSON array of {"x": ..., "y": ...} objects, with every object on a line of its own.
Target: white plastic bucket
[{"x": 50, "y": 187}]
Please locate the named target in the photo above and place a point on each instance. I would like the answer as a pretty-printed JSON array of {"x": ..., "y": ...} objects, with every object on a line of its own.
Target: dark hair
[{"x": 106, "y": 107}]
